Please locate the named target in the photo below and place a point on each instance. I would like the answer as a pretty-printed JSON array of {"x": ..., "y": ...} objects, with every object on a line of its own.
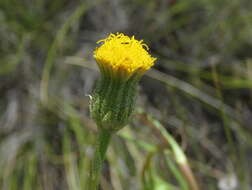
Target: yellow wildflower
[{"x": 121, "y": 54}]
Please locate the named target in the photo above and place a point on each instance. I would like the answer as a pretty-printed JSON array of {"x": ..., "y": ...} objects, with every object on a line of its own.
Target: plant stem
[{"x": 97, "y": 162}]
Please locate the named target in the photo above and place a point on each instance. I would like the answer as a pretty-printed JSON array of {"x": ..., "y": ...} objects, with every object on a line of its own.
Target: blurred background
[{"x": 199, "y": 91}]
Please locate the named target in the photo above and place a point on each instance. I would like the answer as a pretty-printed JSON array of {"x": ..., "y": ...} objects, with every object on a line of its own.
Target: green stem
[{"x": 97, "y": 162}]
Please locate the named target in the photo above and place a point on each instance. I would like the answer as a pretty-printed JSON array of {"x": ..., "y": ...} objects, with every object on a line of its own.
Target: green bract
[{"x": 113, "y": 101}]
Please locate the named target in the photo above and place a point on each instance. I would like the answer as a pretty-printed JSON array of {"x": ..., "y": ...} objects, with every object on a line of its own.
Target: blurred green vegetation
[{"x": 199, "y": 90}]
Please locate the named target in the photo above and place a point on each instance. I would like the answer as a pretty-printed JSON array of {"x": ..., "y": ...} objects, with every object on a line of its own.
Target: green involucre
[{"x": 113, "y": 101}]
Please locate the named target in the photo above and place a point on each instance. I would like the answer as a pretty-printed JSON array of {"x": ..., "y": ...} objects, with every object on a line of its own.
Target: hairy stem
[{"x": 97, "y": 162}]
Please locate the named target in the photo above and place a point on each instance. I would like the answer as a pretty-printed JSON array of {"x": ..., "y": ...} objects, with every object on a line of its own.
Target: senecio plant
[{"x": 122, "y": 61}]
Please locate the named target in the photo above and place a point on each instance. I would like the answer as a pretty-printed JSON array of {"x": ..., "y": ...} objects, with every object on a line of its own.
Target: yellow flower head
[{"x": 121, "y": 54}]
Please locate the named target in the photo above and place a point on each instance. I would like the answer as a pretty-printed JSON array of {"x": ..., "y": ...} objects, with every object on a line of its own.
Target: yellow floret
[{"x": 120, "y": 53}]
